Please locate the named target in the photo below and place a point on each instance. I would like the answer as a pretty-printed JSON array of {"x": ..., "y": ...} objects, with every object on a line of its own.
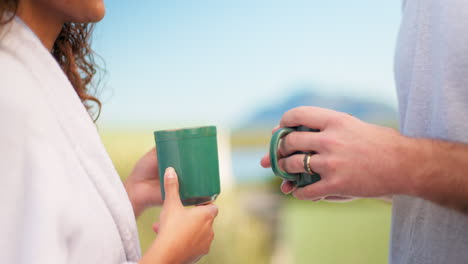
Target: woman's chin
[
  {"x": 100, "y": 12},
  {"x": 97, "y": 15},
  {"x": 92, "y": 14}
]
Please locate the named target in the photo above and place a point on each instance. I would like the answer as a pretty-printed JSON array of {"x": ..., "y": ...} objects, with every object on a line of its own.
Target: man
[{"x": 425, "y": 166}]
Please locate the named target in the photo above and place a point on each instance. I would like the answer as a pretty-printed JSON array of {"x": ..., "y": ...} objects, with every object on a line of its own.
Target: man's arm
[
  {"x": 440, "y": 172},
  {"x": 359, "y": 159}
]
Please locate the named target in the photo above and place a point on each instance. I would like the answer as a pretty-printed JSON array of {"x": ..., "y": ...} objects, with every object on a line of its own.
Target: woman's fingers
[
  {"x": 171, "y": 188},
  {"x": 156, "y": 227},
  {"x": 209, "y": 209}
]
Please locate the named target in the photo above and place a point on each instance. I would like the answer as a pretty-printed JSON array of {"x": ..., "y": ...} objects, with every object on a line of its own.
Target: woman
[{"x": 62, "y": 200}]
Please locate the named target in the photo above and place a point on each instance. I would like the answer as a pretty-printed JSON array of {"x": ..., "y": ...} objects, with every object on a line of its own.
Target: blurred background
[{"x": 240, "y": 65}]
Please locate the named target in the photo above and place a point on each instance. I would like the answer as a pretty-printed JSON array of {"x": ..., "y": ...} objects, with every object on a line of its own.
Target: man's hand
[
  {"x": 352, "y": 157},
  {"x": 358, "y": 159}
]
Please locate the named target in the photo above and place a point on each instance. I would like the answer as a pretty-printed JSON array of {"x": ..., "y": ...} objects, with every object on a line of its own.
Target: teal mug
[
  {"x": 193, "y": 153},
  {"x": 298, "y": 179}
]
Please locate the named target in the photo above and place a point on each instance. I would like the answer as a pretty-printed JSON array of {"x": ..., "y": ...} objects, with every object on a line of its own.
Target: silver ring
[{"x": 307, "y": 168}]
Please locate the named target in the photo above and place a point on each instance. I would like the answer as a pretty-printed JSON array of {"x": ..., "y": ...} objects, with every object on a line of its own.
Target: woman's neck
[{"x": 44, "y": 23}]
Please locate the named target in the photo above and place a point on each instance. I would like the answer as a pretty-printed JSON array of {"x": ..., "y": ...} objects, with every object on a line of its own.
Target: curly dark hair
[{"x": 72, "y": 50}]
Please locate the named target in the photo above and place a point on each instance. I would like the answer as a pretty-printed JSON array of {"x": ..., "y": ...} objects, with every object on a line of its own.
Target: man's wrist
[
  {"x": 419, "y": 165},
  {"x": 404, "y": 176}
]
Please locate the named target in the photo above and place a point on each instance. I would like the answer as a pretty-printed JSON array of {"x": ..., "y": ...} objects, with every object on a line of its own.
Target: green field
[
  {"x": 355, "y": 232},
  {"x": 305, "y": 232}
]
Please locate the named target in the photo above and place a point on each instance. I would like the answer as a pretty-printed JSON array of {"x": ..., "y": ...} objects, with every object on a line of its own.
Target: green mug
[
  {"x": 299, "y": 179},
  {"x": 193, "y": 153}
]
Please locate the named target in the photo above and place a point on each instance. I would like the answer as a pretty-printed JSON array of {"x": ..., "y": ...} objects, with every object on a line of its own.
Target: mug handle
[
  {"x": 299, "y": 179},
  {"x": 274, "y": 144}
]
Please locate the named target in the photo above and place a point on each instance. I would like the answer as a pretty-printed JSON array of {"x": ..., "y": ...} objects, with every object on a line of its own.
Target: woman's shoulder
[
  {"x": 15, "y": 77},
  {"x": 21, "y": 102}
]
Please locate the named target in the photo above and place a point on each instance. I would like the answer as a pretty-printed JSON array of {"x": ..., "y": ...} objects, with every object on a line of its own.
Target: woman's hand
[
  {"x": 143, "y": 186},
  {"x": 184, "y": 234}
]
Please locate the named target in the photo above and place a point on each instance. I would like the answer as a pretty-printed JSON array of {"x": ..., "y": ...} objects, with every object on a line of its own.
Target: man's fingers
[
  {"x": 295, "y": 163},
  {"x": 300, "y": 141},
  {"x": 314, "y": 191},
  {"x": 171, "y": 188},
  {"x": 312, "y": 117},
  {"x": 275, "y": 129},
  {"x": 287, "y": 187},
  {"x": 339, "y": 199},
  {"x": 265, "y": 161}
]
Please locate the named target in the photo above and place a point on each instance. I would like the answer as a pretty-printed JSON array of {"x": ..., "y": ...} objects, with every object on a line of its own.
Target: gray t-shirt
[{"x": 431, "y": 74}]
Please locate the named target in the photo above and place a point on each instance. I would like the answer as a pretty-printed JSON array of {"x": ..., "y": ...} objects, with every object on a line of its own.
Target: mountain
[{"x": 364, "y": 109}]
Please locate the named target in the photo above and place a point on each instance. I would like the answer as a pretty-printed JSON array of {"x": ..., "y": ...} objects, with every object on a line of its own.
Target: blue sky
[{"x": 183, "y": 62}]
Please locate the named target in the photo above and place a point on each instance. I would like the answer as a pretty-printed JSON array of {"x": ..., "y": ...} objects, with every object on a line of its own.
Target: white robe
[{"x": 61, "y": 199}]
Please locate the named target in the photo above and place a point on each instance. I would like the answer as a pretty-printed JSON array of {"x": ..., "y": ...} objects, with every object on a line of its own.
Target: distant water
[{"x": 246, "y": 165}]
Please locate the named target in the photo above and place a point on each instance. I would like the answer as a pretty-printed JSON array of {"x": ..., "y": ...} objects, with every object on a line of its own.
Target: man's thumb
[{"x": 171, "y": 187}]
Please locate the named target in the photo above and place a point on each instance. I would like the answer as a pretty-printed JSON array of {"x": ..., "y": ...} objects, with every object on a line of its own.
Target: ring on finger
[{"x": 307, "y": 167}]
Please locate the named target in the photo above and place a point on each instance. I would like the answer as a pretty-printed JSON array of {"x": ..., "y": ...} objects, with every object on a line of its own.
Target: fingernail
[
  {"x": 214, "y": 210},
  {"x": 170, "y": 172},
  {"x": 283, "y": 183}
]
